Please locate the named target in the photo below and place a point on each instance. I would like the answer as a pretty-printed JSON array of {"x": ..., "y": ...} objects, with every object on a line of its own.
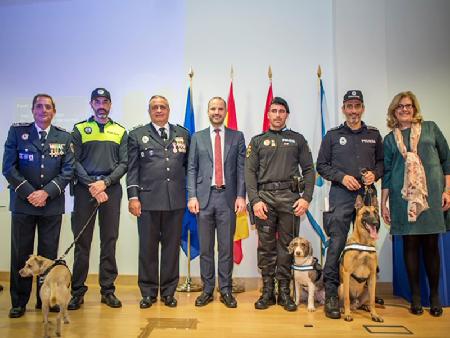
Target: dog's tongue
[{"x": 373, "y": 232}]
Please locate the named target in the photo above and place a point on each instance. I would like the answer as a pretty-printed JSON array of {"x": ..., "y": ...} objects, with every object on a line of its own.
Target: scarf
[{"x": 414, "y": 190}]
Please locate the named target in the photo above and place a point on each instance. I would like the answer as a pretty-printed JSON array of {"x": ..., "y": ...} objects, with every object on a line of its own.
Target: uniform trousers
[
  {"x": 336, "y": 223},
  {"x": 108, "y": 219},
  {"x": 157, "y": 227},
  {"x": 275, "y": 234},
  {"x": 23, "y": 228}
]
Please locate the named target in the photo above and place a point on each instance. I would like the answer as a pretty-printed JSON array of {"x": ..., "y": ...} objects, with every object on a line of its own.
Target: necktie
[
  {"x": 163, "y": 133},
  {"x": 218, "y": 173},
  {"x": 42, "y": 134}
]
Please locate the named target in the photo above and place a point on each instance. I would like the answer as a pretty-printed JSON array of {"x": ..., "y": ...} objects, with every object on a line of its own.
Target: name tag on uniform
[
  {"x": 56, "y": 149},
  {"x": 364, "y": 140},
  {"x": 287, "y": 141}
]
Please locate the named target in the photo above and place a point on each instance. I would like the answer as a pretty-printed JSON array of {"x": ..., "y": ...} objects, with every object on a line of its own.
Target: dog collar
[{"x": 360, "y": 247}]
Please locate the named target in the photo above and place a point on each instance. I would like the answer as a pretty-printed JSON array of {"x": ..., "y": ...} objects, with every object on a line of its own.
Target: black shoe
[
  {"x": 332, "y": 308},
  {"x": 146, "y": 302},
  {"x": 75, "y": 303},
  {"x": 111, "y": 300},
  {"x": 204, "y": 299},
  {"x": 285, "y": 300},
  {"x": 266, "y": 300},
  {"x": 1, "y": 287},
  {"x": 228, "y": 299},
  {"x": 416, "y": 309},
  {"x": 17, "y": 312},
  {"x": 379, "y": 300},
  {"x": 169, "y": 301},
  {"x": 436, "y": 311}
]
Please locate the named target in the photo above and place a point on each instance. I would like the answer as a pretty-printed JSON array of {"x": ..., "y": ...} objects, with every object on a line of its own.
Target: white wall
[{"x": 145, "y": 47}]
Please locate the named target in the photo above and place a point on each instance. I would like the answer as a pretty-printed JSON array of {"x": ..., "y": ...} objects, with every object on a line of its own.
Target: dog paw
[
  {"x": 377, "y": 318},
  {"x": 348, "y": 318},
  {"x": 365, "y": 307},
  {"x": 66, "y": 321},
  {"x": 311, "y": 309}
]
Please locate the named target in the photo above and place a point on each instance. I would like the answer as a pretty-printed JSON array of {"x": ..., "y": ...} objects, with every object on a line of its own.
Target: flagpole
[
  {"x": 319, "y": 75},
  {"x": 189, "y": 285}
]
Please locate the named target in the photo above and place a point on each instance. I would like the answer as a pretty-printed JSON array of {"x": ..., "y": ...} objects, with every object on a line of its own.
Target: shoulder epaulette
[
  {"x": 81, "y": 122},
  {"x": 136, "y": 127},
  {"x": 22, "y": 124},
  {"x": 120, "y": 125},
  {"x": 178, "y": 125},
  {"x": 260, "y": 134},
  {"x": 337, "y": 128},
  {"x": 60, "y": 128},
  {"x": 372, "y": 128}
]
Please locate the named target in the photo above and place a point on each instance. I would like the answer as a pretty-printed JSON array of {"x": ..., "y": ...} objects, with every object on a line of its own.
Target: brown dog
[
  {"x": 55, "y": 289},
  {"x": 307, "y": 273},
  {"x": 359, "y": 261}
]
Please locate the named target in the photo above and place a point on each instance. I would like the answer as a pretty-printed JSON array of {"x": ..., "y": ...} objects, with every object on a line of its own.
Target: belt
[
  {"x": 275, "y": 185},
  {"x": 215, "y": 187}
]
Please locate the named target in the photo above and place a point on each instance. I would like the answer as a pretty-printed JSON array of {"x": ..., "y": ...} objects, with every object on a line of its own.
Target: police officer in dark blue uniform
[
  {"x": 351, "y": 157},
  {"x": 38, "y": 164},
  {"x": 156, "y": 185},
  {"x": 100, "y": 147}
]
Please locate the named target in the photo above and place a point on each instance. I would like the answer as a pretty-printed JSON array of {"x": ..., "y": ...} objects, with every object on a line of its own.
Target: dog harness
[
  {"x": 47, "y": 271},
  {"x": 358, "y": 247},
  {"x": 315, "y": 266}
]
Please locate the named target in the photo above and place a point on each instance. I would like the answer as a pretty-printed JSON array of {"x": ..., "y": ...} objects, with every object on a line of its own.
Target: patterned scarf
[{"x": 414, "y": 189}]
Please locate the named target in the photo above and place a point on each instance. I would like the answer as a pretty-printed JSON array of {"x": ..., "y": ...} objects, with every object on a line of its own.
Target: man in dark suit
[
  {"x": 156, "y": 185},
  {"x": 216, "y": 192},
  {"x": 38, "y": 164}
]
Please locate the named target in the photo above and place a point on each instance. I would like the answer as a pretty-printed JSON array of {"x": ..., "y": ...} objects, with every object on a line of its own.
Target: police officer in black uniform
[
  {"x": 272, "y": 179},
  {"x": 156, "y": 185},
  {"x": 351, "y": 157},
  {"x": 38, "y": 164},
  {"x": 100, "y": 147}
]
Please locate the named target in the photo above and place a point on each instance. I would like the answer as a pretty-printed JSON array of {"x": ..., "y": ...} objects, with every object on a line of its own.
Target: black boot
[
  {"x": 267, "y": 297},
  {"x": 332, "y": 307},
  {"x": 284, "y": 296}
]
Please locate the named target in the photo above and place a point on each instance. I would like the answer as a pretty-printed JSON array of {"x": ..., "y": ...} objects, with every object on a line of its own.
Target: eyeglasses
[
  {"x": 407, "y": 106},
  {"x": 351, "y": 106}
]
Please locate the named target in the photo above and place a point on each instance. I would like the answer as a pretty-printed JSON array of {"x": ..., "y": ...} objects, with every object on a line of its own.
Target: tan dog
[
  {"x": 309, "y": 279},
  {"x": 55, "y": 289},
  {"x": 358, "y": 269}
]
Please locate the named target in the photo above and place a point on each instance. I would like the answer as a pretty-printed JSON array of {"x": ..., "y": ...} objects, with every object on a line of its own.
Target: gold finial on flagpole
[
  {"x": 319, "y": 72},
  {"x": 191, "y": 73},
  {"x": 270, "y": 73}
]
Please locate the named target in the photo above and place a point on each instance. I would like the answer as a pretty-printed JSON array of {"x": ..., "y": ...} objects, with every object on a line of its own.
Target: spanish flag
[{"x": 241, "y": 231}]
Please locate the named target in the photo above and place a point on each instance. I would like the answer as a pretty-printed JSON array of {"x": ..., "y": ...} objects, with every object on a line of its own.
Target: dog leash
[{"x": 80, "y": 233}]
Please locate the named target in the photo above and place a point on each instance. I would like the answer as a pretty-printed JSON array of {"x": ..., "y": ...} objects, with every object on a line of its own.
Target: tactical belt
[{"x": 282, "y": 185}]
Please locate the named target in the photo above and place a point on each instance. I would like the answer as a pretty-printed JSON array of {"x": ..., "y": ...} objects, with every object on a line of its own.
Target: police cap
[{"x": 100, "y": 92}]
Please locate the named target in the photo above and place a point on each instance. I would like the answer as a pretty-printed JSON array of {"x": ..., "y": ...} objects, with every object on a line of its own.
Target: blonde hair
[{"x": 392, "y": 121}]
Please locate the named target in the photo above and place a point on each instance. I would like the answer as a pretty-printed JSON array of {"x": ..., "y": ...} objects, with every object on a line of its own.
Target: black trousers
[
  {"x": 23, "y": 228},
  {"x": 275, "y": 234},
  {"x": 108, "y": 219},
  {"x": 157, "y": 227},
  {"x": 336, "y": 223}
]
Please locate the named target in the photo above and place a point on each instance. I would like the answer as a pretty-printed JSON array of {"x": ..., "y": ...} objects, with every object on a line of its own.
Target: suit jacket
[
  {"x": 28, "y": 167},
  {"x": 201, "y": 166},
  {"x": 157, "y": 169}
]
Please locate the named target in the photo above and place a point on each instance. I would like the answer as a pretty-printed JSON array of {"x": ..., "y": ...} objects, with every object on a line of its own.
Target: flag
[
  {"x": 189, "y": 219},
  {"x": 319, "y": 190},
  {"x": 241, "y": 231},
  {"x": 266, "y": 122}
]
